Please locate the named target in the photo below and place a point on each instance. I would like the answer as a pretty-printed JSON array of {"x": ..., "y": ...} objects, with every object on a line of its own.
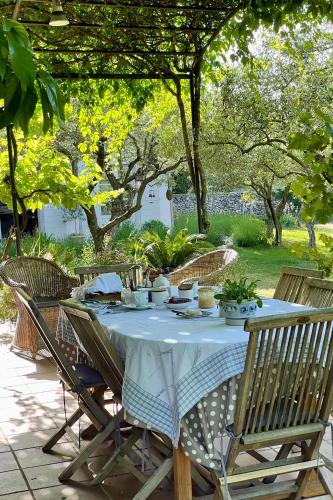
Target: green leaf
[
  {"x": 53, "y": 95},
  {"x": 20, "y": 52},
  {"x": 12, "y": 103},
  {"x": 46, "y": 108},
  {"x": 26, "y": 110}
]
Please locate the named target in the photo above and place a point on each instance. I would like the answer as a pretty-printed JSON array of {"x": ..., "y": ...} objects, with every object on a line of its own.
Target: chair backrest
[
  {"x": 125, "y": 271},
  {"x": 96, "y": 343},
  {"x": 292, "y": 282},
  {"x": 66, "y": 370},
  {"x": 288, "y": 375},
  {"x": 318, "y": 293},
  {"x": 41, "y": 277},
  {"x": 203, "y": 265}
]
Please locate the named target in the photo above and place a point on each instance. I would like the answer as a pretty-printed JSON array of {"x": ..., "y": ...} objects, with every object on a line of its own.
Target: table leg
[{"x": 182, "y": 475}]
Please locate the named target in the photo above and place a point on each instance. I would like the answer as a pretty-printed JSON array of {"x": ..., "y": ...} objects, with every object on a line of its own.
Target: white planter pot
[{"x": 236, "y": 314}]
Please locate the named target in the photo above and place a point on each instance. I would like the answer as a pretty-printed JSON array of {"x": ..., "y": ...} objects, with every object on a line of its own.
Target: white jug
[{"x": 161, "y": 281}]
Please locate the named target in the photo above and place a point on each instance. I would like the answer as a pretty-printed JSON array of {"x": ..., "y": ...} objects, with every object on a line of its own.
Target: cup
[
  {"x": 186, "y": 294},
  {"x": 159, "y": 296},
  {"x": 140, "y": 298},
  {"x": 127, "y": 296}
]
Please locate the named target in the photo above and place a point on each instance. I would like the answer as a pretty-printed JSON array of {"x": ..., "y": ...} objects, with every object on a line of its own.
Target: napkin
[{"x": 104, "y": 283}]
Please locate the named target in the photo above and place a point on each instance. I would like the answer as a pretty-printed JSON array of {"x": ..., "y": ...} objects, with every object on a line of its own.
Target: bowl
[{"x": 179, "y": 304}]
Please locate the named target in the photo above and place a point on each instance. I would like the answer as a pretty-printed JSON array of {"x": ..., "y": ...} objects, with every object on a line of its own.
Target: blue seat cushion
[{"x": 88, "y": 375}]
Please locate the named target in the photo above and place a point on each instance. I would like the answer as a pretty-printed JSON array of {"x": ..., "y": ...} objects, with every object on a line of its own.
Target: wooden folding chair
[
  {"x": 285, "y": 397},
  {"x": 292, "y": 283},
  {"x": 125, "y": 271},
  {"x": 78, "y": 379},
  {"x": 318, "y": 292},
  {"x": 105, "y": 358}
]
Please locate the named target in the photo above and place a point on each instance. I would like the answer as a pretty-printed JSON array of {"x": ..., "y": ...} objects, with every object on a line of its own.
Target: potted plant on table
[{"x": 238, "y": 300}]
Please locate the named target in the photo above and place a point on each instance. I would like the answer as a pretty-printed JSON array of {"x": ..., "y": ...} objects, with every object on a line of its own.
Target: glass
[{"x": 206, "y": 298}]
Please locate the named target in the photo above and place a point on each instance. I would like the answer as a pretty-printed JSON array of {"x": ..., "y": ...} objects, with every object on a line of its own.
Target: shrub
[
  {"x": 249, "y": 232},
  {"x": 155, "y": 226},
  {"x": 64, "y": 252},
  {"x": 121, "y": 253},
  {"x": 8, "y": 310},
  {"x": 125, "y": 231},
  {"x": 245, "y": 230},
  {"x": 289, "y": 221}
]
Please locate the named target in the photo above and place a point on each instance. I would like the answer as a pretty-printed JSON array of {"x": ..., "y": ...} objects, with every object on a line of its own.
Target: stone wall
[{"x": 219, "y": 203}]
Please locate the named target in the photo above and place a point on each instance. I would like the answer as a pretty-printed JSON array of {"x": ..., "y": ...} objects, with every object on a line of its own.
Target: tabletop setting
[
  {"x": 197, "y": 375},
  {"x": 184, "y": 349}
]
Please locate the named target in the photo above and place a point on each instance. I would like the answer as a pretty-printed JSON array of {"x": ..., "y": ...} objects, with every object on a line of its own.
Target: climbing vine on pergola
[{"x": 149, "y": 39}]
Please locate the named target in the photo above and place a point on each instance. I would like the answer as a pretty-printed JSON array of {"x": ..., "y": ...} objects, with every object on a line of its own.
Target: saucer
[{"x": 134, "y": 307}]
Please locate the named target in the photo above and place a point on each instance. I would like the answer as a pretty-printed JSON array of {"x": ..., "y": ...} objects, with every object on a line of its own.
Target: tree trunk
[
  {"x": 95, "y": 231},
  {"x": 276, "y": 222},
  {"x": 118, "y": 207},
  {"x": 200, "y": 176},
  {"x": 196, "y": 126},
  {"x": 312, "y": 235},
  {"x": 270, "y": 222},
  {"x": 183, "y": 121}
]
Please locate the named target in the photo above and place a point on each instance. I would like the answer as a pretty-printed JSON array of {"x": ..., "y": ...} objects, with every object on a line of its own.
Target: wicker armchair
[
  {"x": 47, "y": 283},
  {"x": 207, "y": 269}
]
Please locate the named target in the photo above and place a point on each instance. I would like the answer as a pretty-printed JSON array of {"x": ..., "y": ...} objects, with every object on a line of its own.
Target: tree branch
[{"x": 128, "y": 213}]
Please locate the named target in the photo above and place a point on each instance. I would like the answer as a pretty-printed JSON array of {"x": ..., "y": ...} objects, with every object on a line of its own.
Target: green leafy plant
[
  {"x": 239, "y": 290},
  {"x": 322, "y": 256},
  {"x": 155, "y": 226},
  {"x": 23, "y": 82},
  {"x": 169, "y": 251}
]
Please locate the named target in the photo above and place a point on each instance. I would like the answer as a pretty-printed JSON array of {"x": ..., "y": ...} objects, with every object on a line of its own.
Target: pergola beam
[
  {"x": 180, "y": 29},
  {"x": 120, "y": 52},
  {"x": 143, "y": 6},
  {"x": 119, "y": 76}
]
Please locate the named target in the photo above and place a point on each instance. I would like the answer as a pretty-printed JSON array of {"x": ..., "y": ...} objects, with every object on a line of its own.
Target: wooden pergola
[{"x": 139, "y": 39}]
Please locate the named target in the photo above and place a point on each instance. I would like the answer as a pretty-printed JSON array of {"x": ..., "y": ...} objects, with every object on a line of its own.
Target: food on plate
[
  {"x": 178, "y": 300},
  {"x": 194, "y": 312}
]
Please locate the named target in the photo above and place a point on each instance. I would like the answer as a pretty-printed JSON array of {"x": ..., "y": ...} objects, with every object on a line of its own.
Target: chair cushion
[{"x": 88, "y": 375}]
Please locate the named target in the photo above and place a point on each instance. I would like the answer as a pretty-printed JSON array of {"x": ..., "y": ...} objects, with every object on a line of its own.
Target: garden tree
[
  {"x": 255, "y": 110},
  {"x": 262, "y": 172},
  {"x": 23, "y": 83},
  {"x": 314, "y": 142},
  {"x": 42, "y": 176},
  {"x": 131, "y": 149}
]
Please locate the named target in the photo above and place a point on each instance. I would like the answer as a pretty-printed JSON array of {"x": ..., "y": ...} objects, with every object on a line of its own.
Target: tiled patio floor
[{"x": 31, "y": 408}]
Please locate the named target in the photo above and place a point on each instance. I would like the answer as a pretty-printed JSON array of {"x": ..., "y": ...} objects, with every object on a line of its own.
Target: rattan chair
[
  {"x": 207, "y": 269},
  {"x": 93, "y": 339},
  {"x": 285, "y": 396},
  {"x": 291, "y": 285},
  {"x": 47, "y": 284},
  {"x": 318, "y": 292}
]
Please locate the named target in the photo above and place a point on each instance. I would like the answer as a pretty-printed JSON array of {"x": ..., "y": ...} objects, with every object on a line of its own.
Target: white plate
[
  {"x": 178, "y": 307},
  {"x": 139, "y": 308}
]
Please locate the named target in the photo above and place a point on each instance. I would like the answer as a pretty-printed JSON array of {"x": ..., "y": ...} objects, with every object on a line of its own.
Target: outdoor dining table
[{"x": 172, "y": 363}]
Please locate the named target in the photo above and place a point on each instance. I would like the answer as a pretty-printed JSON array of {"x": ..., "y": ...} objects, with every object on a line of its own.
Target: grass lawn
[{"x": 264, "y": 263}]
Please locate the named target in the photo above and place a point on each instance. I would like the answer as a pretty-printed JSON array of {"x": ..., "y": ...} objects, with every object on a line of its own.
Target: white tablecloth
[{"x": 171, "y": 363}]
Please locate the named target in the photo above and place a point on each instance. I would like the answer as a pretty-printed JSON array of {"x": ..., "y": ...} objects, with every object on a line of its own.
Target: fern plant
[{"x": 168, "y": 251}]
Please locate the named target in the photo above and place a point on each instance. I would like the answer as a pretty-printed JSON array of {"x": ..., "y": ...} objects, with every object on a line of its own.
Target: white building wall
[{"x": 52, "y": 220}]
